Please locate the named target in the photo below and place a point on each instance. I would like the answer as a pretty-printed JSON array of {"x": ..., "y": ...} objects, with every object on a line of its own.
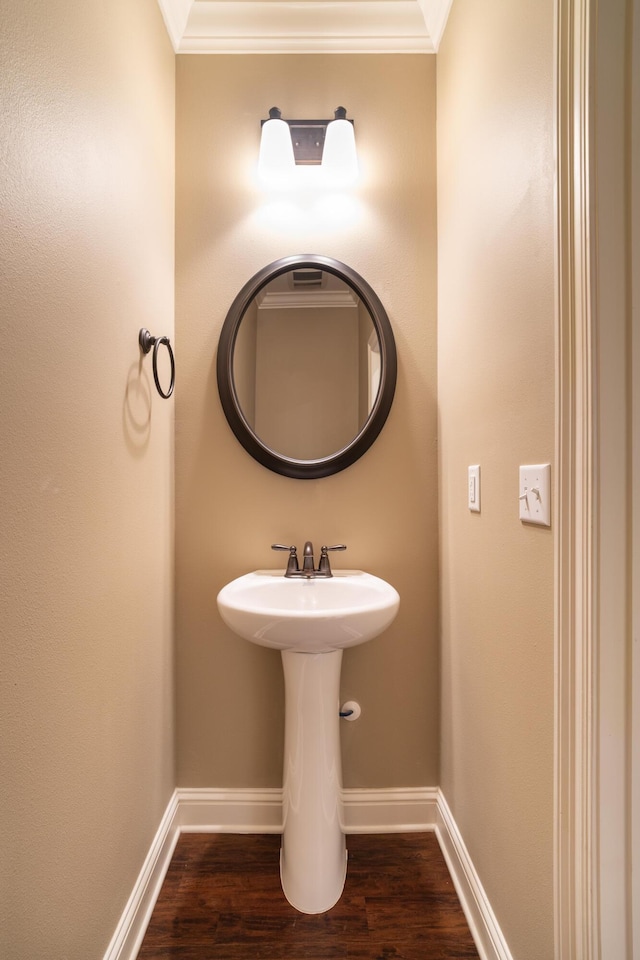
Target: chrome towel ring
[{"x": 146, "y": 341}]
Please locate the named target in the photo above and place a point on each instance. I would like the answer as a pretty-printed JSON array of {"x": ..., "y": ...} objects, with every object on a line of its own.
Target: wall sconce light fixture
[{"x": 329, "y": 144}]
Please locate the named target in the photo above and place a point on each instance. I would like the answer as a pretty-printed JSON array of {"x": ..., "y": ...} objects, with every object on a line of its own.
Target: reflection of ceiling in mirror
[{"x": 301, "y": 290}]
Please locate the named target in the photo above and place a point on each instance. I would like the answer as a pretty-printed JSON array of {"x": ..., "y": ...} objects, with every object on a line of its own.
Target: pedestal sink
[{"x": 311, "y": 621}]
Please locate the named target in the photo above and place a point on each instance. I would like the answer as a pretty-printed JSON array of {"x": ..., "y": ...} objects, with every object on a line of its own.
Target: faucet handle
[
  {"x": 324, "y": 567},
  {"x": 292, "y": 562}
]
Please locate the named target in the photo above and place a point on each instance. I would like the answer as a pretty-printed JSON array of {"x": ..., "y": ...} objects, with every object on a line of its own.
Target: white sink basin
[{"x": 308, "y": 615}]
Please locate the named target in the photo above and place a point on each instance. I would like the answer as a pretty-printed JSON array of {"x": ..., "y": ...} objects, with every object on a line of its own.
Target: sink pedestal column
[{"x": 313, "y": 858}]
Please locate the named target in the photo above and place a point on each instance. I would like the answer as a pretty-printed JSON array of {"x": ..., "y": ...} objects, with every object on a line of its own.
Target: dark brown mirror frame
[{"x": 287, "y": 466}]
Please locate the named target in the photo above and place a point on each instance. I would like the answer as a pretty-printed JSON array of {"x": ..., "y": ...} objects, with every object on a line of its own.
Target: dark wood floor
[{"x": 222, "y": 900}]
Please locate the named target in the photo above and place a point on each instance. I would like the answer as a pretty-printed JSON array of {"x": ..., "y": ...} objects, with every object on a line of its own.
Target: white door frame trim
[
  {"x": 596, "y": 233},
  {"x": 575, "y": 849}
]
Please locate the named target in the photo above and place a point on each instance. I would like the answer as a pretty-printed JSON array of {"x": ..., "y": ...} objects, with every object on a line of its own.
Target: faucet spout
[{"x": 308, "y": 568}]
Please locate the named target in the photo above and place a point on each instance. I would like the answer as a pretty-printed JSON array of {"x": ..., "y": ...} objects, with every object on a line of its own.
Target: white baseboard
[
  {"x": 390, "y": 811},
  {"x": 130, "y": 931},
  {"x": 203, "y": 810},
  {"x": 486, "y": 932},
  {"x": 260, "y": 811}
]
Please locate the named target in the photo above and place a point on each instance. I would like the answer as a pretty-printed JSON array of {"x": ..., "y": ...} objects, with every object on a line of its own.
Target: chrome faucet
[{"x": 309, "y": 570}]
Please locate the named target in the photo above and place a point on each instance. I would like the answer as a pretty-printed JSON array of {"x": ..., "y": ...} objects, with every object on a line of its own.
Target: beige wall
[
  {"x": 496, "y": 408},
  {"x": 229, "y": 509},
  {"x": 86, "y": 242}
]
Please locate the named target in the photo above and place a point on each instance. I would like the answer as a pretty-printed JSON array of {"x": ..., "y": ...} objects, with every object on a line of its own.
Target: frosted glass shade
[
  {"x": 276, "y": 162},
  {"x": 339, "y": 159}
]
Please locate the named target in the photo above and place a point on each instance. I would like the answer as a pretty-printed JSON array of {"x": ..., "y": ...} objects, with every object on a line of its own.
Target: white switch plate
[
  {"x": 474, "y": 488},
  {"x": 535, "y": 494}
]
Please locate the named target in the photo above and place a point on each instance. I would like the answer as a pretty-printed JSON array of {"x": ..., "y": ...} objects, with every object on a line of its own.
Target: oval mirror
[{"x": 306, "y": 366}]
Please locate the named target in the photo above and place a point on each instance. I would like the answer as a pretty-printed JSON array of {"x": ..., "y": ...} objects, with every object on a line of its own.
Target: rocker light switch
[
  {"x": 535, "y": 494},
  {"x": 474, "y": 489}
]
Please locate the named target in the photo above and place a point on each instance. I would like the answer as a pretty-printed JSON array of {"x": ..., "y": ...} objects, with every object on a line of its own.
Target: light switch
[
  {"x": 535, "y": 494},
  {"x": 474, "y": 488}
]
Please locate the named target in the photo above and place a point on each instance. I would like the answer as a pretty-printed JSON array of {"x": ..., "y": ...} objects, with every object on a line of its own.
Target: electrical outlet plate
[
  {"x": 474, "y": 489},
  {"x": 535, "y": 494}
]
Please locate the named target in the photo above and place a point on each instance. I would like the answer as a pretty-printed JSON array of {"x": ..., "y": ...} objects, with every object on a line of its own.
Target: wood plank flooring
[{"x": 222, "y": 900}]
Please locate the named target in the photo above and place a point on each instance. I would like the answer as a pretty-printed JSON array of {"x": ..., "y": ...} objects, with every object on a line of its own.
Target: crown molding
[
  {"x": 311, "y": 26},
  {"x": 175, "y": 14},
  {"x": 436, "y": 14}
]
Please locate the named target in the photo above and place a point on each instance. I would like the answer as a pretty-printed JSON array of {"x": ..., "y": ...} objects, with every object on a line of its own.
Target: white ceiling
[{"x": 305, "y": 26}]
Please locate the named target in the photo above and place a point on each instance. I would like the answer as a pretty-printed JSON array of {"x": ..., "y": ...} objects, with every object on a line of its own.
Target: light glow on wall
[{"x": 306, "y": 212}]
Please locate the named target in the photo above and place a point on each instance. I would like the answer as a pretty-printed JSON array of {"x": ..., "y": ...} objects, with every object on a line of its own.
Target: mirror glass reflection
[{"x": 306, "y": 364}]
